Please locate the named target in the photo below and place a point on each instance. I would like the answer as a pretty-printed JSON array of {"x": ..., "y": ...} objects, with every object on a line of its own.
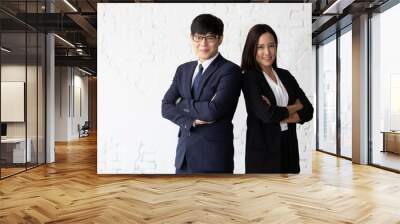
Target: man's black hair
[{"x": 207, "y": 23}]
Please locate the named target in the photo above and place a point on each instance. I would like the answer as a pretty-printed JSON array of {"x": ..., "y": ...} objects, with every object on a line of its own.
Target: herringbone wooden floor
[{"x": 70, "y": 191}]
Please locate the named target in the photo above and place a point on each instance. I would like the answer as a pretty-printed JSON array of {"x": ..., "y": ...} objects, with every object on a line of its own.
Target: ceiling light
[
  {"x": 64, "y": 40},
  {"x": 70, "y": 5},
  {"x": 84, "y": 71},
  {"x": 338, "y": 6},
  {"x": 5, "y": 50}
]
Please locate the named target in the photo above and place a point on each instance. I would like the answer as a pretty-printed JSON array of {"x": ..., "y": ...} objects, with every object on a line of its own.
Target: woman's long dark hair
[{"x": 250, "y": 47}]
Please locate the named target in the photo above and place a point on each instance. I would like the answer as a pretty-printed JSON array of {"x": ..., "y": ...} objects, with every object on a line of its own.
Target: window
[
  {"x": 346, "y": 93},
  {"x": 385, "y": 89},
  {"x": 327, "y": 96}
]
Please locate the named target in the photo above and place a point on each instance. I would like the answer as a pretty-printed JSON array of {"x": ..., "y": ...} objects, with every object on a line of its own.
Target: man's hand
[{"x": 200, "y": 122}]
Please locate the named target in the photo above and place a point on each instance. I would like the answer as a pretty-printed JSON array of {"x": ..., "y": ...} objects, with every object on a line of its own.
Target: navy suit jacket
[{"x": 209, "y": 147}]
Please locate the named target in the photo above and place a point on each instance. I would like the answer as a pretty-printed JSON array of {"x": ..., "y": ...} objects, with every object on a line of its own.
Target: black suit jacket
[
  {"x": 207, "y": 148},
  {"x": 263, "y": 129}
]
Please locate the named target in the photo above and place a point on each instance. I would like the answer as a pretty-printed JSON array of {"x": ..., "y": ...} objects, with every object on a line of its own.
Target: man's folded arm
[
  {"x": 169, "y": 109},
  {"x": 223, "y": 102}
]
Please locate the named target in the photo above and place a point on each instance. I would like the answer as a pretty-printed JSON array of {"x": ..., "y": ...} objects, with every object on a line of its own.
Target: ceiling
[{"x": 76, "y": 22}]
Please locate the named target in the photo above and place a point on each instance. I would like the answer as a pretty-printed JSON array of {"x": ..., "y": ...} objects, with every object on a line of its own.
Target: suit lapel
[
  {"x": 188, "y": 78},
  {"x": 209, "y": 71},
  {"x": 287, "y": 84},
  {"x": 265, "y": 87}
]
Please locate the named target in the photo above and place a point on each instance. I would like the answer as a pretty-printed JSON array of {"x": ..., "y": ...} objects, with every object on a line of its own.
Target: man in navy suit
[{"x": 202, "y": 100}]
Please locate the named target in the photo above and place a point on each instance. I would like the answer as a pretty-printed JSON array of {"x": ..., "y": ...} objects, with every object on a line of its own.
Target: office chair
[{"x": 84, "y": 130}]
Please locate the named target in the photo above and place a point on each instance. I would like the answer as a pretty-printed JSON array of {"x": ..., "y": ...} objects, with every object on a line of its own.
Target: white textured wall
[{"x": 139, "y": 48}]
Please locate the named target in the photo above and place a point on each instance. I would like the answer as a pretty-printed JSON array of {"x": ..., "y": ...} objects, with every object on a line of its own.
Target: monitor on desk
[{"x": 3, "y": 130}]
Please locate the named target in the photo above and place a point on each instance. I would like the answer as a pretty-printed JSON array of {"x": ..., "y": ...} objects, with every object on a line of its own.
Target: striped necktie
[{"x": 196, "y": 82}]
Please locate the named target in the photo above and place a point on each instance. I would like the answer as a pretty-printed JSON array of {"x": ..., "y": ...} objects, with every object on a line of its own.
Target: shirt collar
[
  {"x": 207, "y": 62},
  {"x": 274, "y": 74}
]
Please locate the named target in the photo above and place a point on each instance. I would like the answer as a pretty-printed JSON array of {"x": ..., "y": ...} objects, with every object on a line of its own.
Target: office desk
[
  {"x": 391, "y": 141},
  {"x": 15, "y": 148}
]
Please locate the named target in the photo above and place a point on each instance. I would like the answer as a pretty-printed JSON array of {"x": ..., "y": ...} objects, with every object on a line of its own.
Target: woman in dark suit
[{"x": 274, "y": 102}]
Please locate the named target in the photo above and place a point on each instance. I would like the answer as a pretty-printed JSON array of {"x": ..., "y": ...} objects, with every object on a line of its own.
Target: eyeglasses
[{"x": 208, "y": 38}]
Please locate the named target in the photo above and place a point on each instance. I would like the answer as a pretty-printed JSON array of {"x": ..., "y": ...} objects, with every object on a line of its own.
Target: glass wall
[
  {"x": 13, "y": 90},
  {"x": 335, "y": 74},
  {"x": 22, "y": 91},
  {"x": 385, "y": 89},
  {"x": 345, "y": 41},
  {"x": 327, "y": 96}
]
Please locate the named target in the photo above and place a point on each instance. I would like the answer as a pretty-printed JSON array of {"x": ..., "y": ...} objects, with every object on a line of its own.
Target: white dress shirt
[
  {"x": 281, "y": 95},
  {"x": 205, "y": 65}
]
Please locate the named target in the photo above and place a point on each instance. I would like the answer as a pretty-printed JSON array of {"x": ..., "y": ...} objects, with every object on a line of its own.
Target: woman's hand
[
  {"x": 291, "y": 108},
  {"x": 299, "y": 104},
  {"x": 295, "y": 107},
  {"x": 293, "y": 118}
]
